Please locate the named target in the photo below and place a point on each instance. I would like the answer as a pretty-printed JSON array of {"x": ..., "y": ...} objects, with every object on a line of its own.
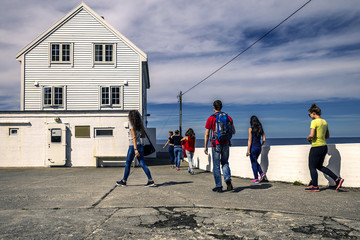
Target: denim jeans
[
  {"x": 316, "y": 161},
  {"x": 221, "y": 156},
  {"x": 171, "y": 154},
  {"x": 254, "y": 155},
  {"x": 190, "y": 156},
  {"x": 129, "y": 158},
  {"x": 177, "y": 153}
]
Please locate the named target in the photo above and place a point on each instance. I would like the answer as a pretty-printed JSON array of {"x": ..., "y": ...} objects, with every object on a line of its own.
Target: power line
[
  {"x": 262, "y": 37},
  {"x": 167, "y": 120},
  {"x": 258, "y": 40}
]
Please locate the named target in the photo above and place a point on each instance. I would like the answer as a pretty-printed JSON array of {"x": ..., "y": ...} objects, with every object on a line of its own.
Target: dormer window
[
  {"x": 61, "y": 52},
  {"x": 104, "y": 53}
]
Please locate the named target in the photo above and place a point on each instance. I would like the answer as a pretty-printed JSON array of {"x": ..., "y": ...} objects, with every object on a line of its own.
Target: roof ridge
[{"x": 68, "y": 16}]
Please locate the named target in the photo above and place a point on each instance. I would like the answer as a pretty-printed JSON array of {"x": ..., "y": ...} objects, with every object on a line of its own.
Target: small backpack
[{"x": 223, "y": 128}]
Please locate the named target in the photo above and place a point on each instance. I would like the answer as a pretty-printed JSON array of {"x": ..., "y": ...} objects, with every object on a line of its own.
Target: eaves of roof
[{"x": 70, "y": 15}]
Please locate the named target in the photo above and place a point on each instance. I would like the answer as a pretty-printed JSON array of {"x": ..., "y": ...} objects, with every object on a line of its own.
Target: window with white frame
[
  {"x": 115, "y": 95},
  {"x": 111, "y": 96},
  {"x": 104, "y": 53},
  {"x": 61, "y": 52},
  {"x": 53, "y": 96},
  {"x": 104, "y": 132},
  {"x": 105, "y": 95}
]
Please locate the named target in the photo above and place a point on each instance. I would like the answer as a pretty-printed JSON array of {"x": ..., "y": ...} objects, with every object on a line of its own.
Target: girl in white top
[{"x": 136, "y": 148}]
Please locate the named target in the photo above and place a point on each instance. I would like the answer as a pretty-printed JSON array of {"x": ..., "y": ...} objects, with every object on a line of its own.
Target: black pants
[{"x": 316, "y": 160}]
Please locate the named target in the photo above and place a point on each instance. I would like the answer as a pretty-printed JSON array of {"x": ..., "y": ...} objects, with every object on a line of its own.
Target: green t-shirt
[{"x": 321, "y": 127}]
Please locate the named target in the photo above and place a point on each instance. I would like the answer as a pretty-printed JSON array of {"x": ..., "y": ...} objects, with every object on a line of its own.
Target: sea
[{"x": 283, "y": 141}]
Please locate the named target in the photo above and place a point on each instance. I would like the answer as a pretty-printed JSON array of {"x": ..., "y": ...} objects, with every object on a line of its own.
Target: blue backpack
[{"x": 223, "y": 127}]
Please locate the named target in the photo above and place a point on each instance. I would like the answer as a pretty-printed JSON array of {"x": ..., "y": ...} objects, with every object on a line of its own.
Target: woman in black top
[
  {"x": 177, "y": 148},
  {"x": 170, "y": 142}
]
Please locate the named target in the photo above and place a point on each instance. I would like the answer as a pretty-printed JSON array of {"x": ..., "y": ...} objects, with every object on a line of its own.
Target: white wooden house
[
  {"x": 83, "y": 63},
  {"x": 79, "y": 79}
]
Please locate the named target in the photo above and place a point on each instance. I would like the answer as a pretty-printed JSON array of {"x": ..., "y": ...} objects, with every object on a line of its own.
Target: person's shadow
[
  {"x": 258, "y": 186},
  {"x": 170, "y": 183},
  {"x": 334, "y": 163},
  {"x": 207, "y": 167},
  {"x": 264, "y": 161}
]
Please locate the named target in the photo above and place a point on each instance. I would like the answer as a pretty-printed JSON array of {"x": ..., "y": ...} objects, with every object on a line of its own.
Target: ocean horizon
[{"x": 282, "y": 141}]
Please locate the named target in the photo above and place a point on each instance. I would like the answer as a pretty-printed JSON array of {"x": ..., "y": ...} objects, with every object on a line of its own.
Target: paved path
[{"x": 85, "y": 203}]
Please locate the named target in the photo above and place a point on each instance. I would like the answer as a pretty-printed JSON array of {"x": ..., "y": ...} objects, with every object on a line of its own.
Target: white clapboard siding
[{"x": 82, "y": 79}]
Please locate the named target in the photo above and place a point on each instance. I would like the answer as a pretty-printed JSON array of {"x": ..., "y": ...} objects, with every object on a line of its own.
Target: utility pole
[{"x": 180, "y": 112}]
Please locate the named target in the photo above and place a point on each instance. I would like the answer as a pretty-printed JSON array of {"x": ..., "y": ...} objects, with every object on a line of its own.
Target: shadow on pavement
[
  {"x": 200, "y": 172},
  {"x": 161, "y": 159},
  {"x": 172, "y": 183},
  {"x": 103, "y": 197},
  {"x": 254, "y": 187},
  {"x": 333, "y": 188}
]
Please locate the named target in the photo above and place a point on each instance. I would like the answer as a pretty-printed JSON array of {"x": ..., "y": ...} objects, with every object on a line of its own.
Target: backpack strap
[
  {"x": 217, "y": 123},
  {"x": 211, "y": 130}
]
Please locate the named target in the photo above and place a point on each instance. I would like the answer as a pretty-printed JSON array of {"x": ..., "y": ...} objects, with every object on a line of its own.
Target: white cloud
[
  {"x": 186, "y": 40},
  {"x": 246, "y": 82}
]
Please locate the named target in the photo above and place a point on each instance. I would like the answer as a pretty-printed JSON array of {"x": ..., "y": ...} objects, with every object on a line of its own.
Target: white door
[{"x": 56, "y": 148}]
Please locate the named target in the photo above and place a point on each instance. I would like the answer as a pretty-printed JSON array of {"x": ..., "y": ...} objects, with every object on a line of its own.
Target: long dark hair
[
  {"x": 190, "y": 132},
  {"x": 256, "y": 126},
  {"x": 136, "y": 120}
]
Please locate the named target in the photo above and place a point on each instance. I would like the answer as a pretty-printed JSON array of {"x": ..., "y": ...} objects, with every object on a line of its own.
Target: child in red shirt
[{"x": 190, "y": 148}]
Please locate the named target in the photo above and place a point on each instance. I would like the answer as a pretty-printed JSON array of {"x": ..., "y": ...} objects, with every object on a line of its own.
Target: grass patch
[{"x": 297, "y": 183}]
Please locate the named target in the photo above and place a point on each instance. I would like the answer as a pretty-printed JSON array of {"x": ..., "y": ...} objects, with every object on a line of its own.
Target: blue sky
[
  {"x": 280, "y": 120},
  {"x": 313, "y": 57}
]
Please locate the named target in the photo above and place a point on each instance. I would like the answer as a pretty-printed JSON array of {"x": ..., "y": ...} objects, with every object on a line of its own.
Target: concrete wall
[
  {"x": 290, "y": 163},
  {"x": 29, "y": 147}
]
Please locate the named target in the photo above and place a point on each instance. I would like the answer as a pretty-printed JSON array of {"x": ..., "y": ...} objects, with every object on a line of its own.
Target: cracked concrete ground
[{"x": 85, "y": 203}]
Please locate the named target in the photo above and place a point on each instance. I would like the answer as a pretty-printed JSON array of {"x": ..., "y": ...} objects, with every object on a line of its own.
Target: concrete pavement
[{"x": 85, "y": 203}]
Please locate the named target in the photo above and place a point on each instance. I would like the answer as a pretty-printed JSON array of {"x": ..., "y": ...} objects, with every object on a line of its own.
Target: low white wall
[{"x": 290, "y": 163}]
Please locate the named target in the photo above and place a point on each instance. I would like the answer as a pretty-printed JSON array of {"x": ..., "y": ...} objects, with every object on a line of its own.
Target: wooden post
[{"x": 180, "y": 113}]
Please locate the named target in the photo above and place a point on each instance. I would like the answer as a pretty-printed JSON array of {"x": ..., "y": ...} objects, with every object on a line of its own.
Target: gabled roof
[{"x": 70, "y": 15}]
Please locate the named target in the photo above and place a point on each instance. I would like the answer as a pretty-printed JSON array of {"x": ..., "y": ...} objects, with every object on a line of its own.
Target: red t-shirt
[
  {"x": 190, "y": 144},
  {"x": 211, "y": 124}
]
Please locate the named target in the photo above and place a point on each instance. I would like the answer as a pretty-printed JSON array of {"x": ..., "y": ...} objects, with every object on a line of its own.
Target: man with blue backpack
[{"x": 222, "y": 127}]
